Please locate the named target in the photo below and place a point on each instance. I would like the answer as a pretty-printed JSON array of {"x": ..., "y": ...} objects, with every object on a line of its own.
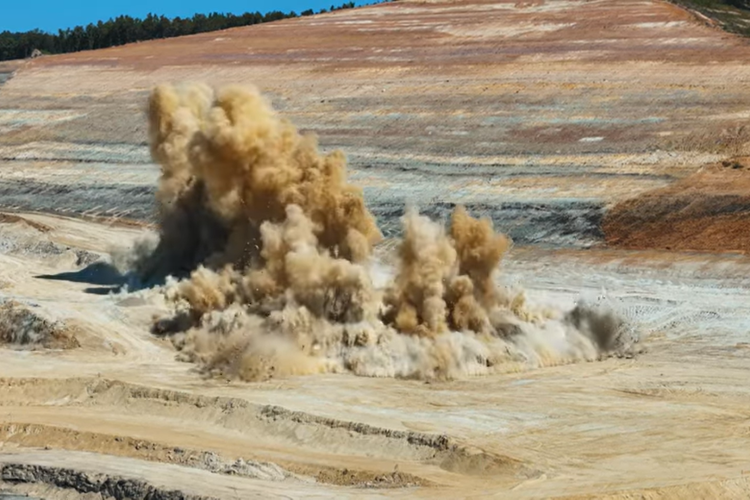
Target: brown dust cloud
[{"x": 267, "y": 255}]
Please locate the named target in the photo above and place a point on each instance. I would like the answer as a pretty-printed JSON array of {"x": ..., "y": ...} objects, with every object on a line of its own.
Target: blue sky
[{"x": 51, "y": 15}]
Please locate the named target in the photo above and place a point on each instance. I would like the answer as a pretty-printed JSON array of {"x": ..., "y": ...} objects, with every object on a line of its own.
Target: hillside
[{"x": 562, "y": 106}]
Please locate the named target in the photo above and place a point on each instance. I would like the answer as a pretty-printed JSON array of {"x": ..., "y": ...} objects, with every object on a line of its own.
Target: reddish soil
[
  {"x": 708, "y": 211},
  {"x": 625, "y": 30}
]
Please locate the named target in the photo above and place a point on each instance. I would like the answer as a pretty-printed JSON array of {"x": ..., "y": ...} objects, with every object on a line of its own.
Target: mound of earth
[
  {"x": 20, "y": 325},
  {"x": 708, "y": 211}
]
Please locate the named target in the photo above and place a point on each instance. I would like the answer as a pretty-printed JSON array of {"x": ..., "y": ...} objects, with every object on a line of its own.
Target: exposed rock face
[
  {"x": 21, "y": 326},
  {"x": 108, "y": 486}
]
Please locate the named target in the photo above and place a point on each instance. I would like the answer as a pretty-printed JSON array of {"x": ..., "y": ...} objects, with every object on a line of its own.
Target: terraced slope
[{"x": 539, "y": 113}]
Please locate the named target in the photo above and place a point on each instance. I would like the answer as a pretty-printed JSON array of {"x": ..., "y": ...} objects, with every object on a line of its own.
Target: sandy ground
[{"x": 673, "y": 415}]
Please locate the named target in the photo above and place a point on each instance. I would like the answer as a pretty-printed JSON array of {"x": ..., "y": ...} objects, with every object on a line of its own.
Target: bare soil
[
  {"x": 708, "y": 211},
  {"x": 581, "y": 127},
  {"x": 122, "y": 406}
]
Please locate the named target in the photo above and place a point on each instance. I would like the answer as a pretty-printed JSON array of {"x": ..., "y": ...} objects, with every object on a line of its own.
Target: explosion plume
[
  {"x": 229, "y": 164},
  {"x": 268, "y": 256}
]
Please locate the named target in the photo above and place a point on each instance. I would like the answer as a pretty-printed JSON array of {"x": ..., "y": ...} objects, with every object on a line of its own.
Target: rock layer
[{"x": 516, "y": 109}]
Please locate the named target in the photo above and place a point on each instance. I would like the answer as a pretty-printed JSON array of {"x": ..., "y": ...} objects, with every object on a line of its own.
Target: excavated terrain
[
  {"x": 538, "y": 113},
  {"x": 705, "y": 212},
  {"x": 592, "y": 132}
]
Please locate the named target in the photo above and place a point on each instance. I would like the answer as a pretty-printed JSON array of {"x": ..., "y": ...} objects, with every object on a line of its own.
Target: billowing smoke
[
  {"x": 268, "y": 256},
  {"x": 446, "y": 283},
  {"x": 229, "y": 164}
]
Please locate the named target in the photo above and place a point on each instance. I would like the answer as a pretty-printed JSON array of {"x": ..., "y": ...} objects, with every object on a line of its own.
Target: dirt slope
[
  {"x": 538, "y": 113},
  {"x": 708, "y": 211}
]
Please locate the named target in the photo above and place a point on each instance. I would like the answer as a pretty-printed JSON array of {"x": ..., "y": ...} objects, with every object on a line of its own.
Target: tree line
[{"x": 126, "y": 29}]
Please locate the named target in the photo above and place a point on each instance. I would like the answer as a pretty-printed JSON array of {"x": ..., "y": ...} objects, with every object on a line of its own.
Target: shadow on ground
[{"x": 105, "y": 276}]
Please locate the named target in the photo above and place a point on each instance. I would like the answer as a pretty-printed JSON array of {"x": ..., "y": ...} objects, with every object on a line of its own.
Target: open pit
[{"x": 567, "y": 124}]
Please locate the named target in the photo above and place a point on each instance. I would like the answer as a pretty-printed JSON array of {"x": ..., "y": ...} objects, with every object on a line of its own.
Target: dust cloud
[
  {"x": 229, "y": 164},
  {"x": 267, "y": 253}
]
